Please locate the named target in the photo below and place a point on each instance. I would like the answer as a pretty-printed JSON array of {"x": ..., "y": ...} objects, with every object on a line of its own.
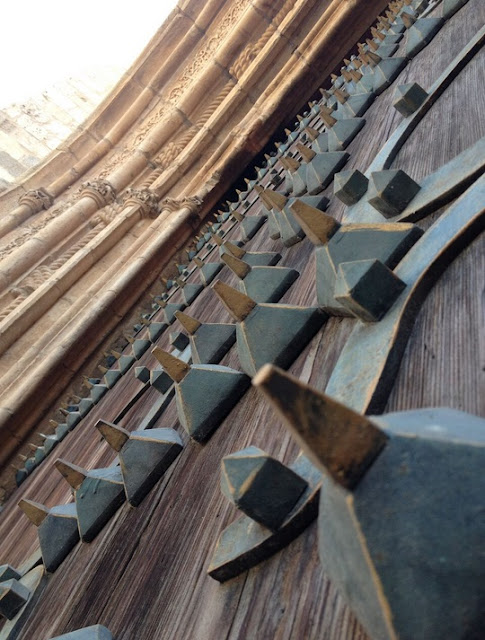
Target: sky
[{"x": 45, "y": 41}]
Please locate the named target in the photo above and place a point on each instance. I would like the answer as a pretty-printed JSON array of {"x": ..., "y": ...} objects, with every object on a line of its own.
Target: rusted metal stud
[
  {"x": 57, "y": 528},
  {"x": 262, "y": 284},
  {"x": 144, "y": 456},
  {"x": 13, "y": 597},
  {"x": 260, "y": 486},
  {"x": 367, "y": 288},
  {"x": 421, "y": 34},
  {"x": 205, "y": 394},
  {"x": 408, "y": 98},
  {"x": 209, "y": 342},
  {"x": 98, "y": 493},
  {"x": 350, "y": 186},
  {"x": 343, "y": 132},
  {"x": 391, "y": 191},
  {"x": 96, "y": 632},
  {"x": 336, "y": 244},
  {"x": 291, "y": 328}
]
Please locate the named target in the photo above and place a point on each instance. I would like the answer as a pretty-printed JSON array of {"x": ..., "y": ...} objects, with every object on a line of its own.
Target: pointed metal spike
[
  {"x": 35, "y": 511},
  {"x": 291, "y": 163},
  {"x": 198, "y": 262},
  {"x": 234, "y": 249},
  {"x": 338, "y": 439},
  {"x": 238, "y": 304},
  {"x": 240, "y": 268},
  {"x": 177, "y": 369},
  {"x": 318, "y": 226},
  {"x": 217, "y": 239},
  {"x": 189, "y": 324},
  {"x": 74, "y": 475},
  {"x": 278, "y": 200},
  {"x": 306, "y": 153},
  {"x": 115, "y": 436}
]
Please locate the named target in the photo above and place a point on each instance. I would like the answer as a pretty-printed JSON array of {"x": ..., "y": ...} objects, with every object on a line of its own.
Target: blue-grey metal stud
[
  {"x": 98, "y": 493},
  {"x": 205, "y": 394},
  {"x": 57, "y": 528},
  {"x": 291, "y": 328},
  {"x": 260, "y": 486},
  {"x": 144, "y": 456},
  {"x": 13, "y": 596},
  {"x": 209, "y": 342},
  {"x": 350, "y": 186},
  {"x": 367, "y": 288},
  {"x": 390, "y": 191},
  {"x": 262, "y": 284},
  {"x": 408, "y": 98}
]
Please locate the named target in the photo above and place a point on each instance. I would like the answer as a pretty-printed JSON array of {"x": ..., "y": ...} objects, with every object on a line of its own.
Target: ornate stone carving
[
  {"x": 36, "y": 199},
  {"x": 101, "y": 191},
  {"x": 146, "y": 199},
  {"x": 192, "y": 203}
]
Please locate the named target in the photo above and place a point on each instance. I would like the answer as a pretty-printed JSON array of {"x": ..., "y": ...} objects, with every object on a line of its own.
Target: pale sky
[{"x": 45, "y": 41}]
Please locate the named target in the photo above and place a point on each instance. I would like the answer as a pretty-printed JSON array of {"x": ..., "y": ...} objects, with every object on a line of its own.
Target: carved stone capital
[
  {"x": 36, "y": 199},
  {"x": 146, "y": 199},
  {"x": 192, "y": 203},
  {"x": 101, "y": 191}
]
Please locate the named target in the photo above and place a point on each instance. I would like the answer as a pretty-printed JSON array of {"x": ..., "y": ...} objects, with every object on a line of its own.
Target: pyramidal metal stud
[
  {"x": 404, "y": 484},
  {"x": 350, "y": 186},
  {"x": 343, "y": 132},
  {"x": 98, "y": 493},
  {"x": 408, "y": 98},
  {"x": 391, "y": 191},
  {"x": 209, "y": 342},
  {"x": 7, "y": 572},
  {"x": 421, "y": 34},
  {"x": 57, "y": 528},
  {"x": 170, "y": 309},
  {"x": 144, "y": 456},
  {"x": 367, "y": 288},
  {"x": 260, "y": 486},
  {"x": 208, "y": 270},
  {"x": 205, "y": 394},
  {"x": 262, "y": 284},
  {"x": 320, "y": 171},
  {"x": 339, "y": 441},
  {"x": 253, "y": 258},
  {"x": 386, "y": 72},
  {"x": 13, "y": 597},
  {"x": 251, "y": 225},
  {"x": 290, "y": 328}
]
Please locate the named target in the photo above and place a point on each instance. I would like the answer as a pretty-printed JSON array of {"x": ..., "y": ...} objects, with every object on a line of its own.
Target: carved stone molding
[
  {"x": 101, "y": 191},
  {"x": 36, "y": 199},
  {"x": 146, "y": 199}
]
